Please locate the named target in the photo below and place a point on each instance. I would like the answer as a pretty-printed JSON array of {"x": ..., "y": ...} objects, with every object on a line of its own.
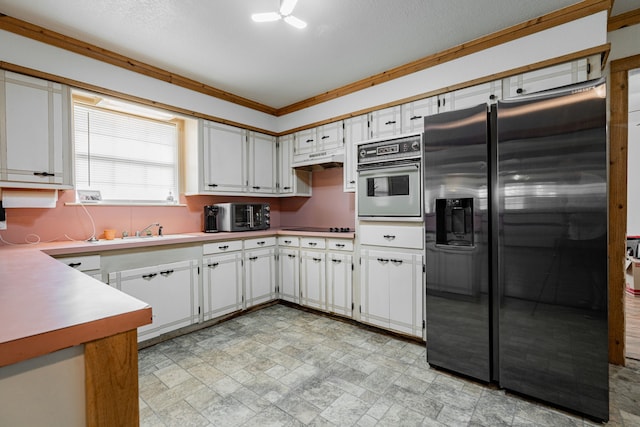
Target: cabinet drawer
[
  {"x": 399, "y": 236},
  {"x": 289, "y": 241},
  {"x": 259, "y": 243},
  {"x": 82, "y": 263},
  {"x": 340, "y": 244},
  {"x": 312, "y": 243},
  {"x": 221, "y": 247}
]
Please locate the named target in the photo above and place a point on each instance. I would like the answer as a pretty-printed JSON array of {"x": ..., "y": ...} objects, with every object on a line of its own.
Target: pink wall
[{"x": 329, "y": 207}]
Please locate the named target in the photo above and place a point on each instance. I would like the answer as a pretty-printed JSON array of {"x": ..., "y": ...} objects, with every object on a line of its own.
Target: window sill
[{"x": 164, "y": 205}]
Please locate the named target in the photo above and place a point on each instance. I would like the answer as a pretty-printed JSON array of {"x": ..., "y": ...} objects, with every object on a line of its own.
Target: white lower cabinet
[
  {"x": 260, "y": 275},
  {"x": 170, "y": 289},
  {"x": 312, "y": 279},
  {"x": 222, "y": 284},
  {"x": 339, "y": 283},
  {"x": 88, "y": 264},
  {"x": 289, "y": 270},
  {"x": 391, "y": 290}
]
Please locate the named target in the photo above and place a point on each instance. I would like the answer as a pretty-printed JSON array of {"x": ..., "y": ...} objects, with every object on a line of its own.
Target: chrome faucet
[{"x": 155, "y": 224}]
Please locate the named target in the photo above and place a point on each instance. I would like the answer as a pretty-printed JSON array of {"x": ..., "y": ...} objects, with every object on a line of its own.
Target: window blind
[{"x": 128, "y": 158}]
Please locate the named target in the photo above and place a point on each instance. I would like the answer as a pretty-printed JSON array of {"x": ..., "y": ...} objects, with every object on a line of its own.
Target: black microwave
[{"x": 243, "y": 216}]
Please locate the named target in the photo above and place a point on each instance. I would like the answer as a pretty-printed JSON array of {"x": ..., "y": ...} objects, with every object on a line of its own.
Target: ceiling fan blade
[
  {"x": 292, "y": 20},
  {"x": 287, "y": 6},
  {"x": 266, "y": 17}
]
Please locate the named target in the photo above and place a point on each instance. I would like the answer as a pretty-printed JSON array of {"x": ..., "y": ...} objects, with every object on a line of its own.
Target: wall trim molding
[{"x": 623, "y": 20}]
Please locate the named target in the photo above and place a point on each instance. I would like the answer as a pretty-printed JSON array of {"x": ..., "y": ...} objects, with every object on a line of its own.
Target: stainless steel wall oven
[{"x": 390, "y": 178}]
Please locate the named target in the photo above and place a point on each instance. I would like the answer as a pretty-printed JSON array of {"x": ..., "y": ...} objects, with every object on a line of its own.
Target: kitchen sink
[{"x": 136, "y": 239}]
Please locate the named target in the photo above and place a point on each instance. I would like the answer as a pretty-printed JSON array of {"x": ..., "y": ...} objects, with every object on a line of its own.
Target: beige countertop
[{"x": 46, "y": 305}]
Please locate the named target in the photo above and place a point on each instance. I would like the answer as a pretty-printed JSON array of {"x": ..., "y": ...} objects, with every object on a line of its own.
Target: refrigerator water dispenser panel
[{"x": 454, "y": 222}]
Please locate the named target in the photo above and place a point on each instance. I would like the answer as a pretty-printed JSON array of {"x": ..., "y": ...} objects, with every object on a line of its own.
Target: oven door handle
[{"x": 409, "y": 167}]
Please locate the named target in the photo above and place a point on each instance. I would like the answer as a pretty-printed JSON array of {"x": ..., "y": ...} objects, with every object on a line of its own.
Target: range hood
[{"x": 320, "y": 161}]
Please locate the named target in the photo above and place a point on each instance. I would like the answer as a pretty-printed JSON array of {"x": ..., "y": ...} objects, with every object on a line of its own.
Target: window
[{"x": 127, "y": 157}]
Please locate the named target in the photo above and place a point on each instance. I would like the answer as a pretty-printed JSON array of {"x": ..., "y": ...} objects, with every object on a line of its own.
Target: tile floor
[{"x": 281, "y": 366}]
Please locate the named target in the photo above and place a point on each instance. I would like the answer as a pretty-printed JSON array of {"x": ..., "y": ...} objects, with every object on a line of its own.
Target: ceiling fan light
[
  {"x": 265, "y": 17},
  {"x": 293, "y": 21},
  {"x": 287, "y": 6}
]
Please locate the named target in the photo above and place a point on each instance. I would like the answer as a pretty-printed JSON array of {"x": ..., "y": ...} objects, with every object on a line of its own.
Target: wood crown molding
[
  {"x": 562, "y": 16},
  {"x": 623, "y": 20}
]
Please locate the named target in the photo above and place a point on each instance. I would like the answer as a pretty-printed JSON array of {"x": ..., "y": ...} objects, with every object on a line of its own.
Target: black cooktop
[{"x": 319, "y": 229}]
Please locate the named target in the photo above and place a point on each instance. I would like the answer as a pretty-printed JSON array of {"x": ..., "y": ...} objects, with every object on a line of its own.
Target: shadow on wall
[{"x": 329, "y": 206}]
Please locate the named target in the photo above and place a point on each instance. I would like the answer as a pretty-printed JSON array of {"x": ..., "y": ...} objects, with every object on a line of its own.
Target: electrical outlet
[{"x": 3, "y": 225}]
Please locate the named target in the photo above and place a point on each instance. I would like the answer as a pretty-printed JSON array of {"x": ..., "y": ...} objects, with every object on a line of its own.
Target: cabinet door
[
  {"x": 330, "y": 137},
  {"x": 285, "y": 157},
  {"x": 35, "y": 136},
  {"x": 222, "y": 282},
  {"x": 260, "y": 276},
  {"x": 224, "y": 158},
  {"x": 486, "y": 93},
  {"x": 339, "y": 283},
  {"x": 262, "y": 163},
  {"x": 374, "y": 292},
  {"x": 177, "y": 295},
  {"x": 141, "y": 283},
  {"x": 304, "y": 144},
  {"x": 356, "y": 129},
  {"x": 547, "y": 78},
  {"x": 405, "y": 293},
  {"x": 386, "y": 122},
  {"x": 313, "y": 282},
  {"x": 289, "y": 263},
  {"x": 413, "y": 114}
]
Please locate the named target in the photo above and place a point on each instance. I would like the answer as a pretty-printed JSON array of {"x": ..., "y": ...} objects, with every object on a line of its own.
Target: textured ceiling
[{"x": 216, "y": 43}]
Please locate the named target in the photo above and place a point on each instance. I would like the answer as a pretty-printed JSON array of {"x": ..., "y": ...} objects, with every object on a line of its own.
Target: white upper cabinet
[
  {"x": 317, "y": 142},
  {"x": 385, "y": 122},
  {"x": 292, "y": 182},
  {"x": 413, "y": 113},
  {"x": 224, "y": 157},
  {"x": 549, "y": 77},
  {"x": 35, "y": 123},
  {"x": 262, "y": 163},
  {"x": 356, "y": 129},
  {"x": 485, "y": 93}
]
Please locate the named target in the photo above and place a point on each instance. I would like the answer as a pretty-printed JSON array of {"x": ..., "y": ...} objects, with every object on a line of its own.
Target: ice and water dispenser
[{"x": 454, "y": 222}]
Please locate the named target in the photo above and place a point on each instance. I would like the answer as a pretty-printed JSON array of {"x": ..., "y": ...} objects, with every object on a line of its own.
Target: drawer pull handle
[
  {"x": 213, "y": 265},
  {"x": 166, "y": 273},
  {"x": 74, "y": 264},
  {"x": 149, "y": 276},
  {"x": 317, "y": 259},
  {"x": 396, "y": 261},
  {"x": 224, "y": 247},
  {"x": 253, "y": 258},
  {"x": 353, "y": 181},
  {"x": 256, "y": 187},
  {"x": 260, "y": 243},
  {"x": 339, "y": 245},
  {"x": 415, "y": 117},
  {"x": 390, "y": 122},
  {"x": 286, "y": 188},
  {"x": 337, "y": 261},
  {"x": 389, "y": 236},
  {"x": 325, "y": 137},
  {"x": 43, "y": 174},
  {"x": 212, "y": 185},
  {"x": 288, "y": 242},
  {"x": 309, "y": 140},
  {"x": 291, "y": 255},
  {"x": 313, "y": 244},
  {"x": 383, "y": 260}
]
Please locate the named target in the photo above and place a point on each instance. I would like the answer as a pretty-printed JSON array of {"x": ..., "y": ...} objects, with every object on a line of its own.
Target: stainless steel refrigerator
[{"x": 516, "y": 245}]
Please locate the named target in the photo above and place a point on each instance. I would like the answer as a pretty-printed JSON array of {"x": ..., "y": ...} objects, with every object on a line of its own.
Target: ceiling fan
[{"x": 286, "y": 8}]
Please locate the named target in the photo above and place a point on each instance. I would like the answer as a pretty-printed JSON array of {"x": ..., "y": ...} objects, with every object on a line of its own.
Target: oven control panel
[{"x": 403, "y": 147}]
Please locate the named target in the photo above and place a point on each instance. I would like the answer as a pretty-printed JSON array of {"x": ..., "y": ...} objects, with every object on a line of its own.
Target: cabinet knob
[
  {"x": 519, "y": 90},
  {"x": 492, "y": 97}
]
